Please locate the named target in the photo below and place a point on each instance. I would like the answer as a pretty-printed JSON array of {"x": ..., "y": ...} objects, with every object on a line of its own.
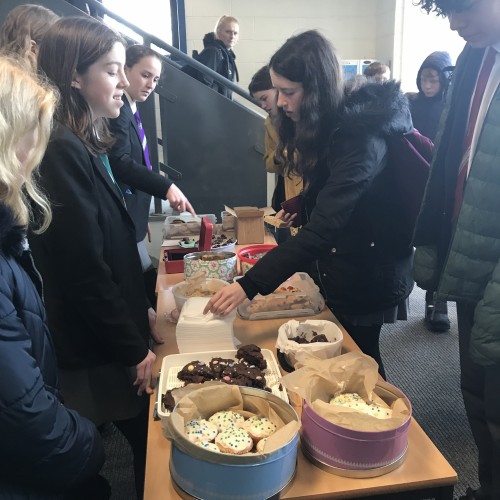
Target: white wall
[
  {"x": 358, "y": 28},
  {"x": 393, "y": 31},
  {"x": 420, "y": 35}
]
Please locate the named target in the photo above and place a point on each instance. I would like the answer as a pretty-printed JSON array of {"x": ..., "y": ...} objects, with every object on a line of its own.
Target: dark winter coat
[
  {"x": 351, "y": 242},
  {"x": 461, "y": 259},
  {"x": 426, "y": 111},
  {"x": 220, "y": 59},
  {"x": 45, "y": 446}
]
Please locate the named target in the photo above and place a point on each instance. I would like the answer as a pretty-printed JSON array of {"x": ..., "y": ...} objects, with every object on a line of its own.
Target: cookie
[
  {"x": 200, "y": 430},
  {"x": 225, "y": 419},
  {"x": 217, "y": 365},
  {"x": 195, "y": 372},
  {"x": 234, "y": 440},
  {"x": 244, "y": 374},
  {"x": 252, "y": 355},
  {"x": 260, "y": 445},
  {"x": 208, "y": 446},
  {"x": 259, "y": 428},
  {"x": 356, "y": 402}
]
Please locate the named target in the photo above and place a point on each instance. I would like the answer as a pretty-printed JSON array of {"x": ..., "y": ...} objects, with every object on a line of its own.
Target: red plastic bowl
[{"x": 248, "y": 256}]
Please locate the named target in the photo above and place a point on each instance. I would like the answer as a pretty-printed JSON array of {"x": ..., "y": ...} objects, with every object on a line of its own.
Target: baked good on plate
[
  {"x": 234, "y": 440},
  {"x": 225, "y": 419},
  {"x": 356, "y": 402},
  {"x": 259, "y": 428},
  {"x": 200, "y": 430}
]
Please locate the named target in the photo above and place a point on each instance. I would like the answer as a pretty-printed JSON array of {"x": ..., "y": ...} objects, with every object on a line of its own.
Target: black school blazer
[
  {"x": 129, "y": 168},
  {"x": 88, "y": 258}
]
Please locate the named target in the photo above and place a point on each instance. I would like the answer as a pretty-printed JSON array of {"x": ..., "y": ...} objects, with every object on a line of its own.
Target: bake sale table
[{"x": 425, "y": 473}]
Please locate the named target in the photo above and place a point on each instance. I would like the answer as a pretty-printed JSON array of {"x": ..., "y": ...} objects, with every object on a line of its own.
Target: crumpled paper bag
[
  {"x": 317, "y": 381},
  {"x": 317, "y": 350}
]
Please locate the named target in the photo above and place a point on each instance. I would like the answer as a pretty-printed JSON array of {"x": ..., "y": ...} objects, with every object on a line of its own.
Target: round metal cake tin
[
  {"x": 223, "y": 266},
  {"x": 353, "y": 453},
  {"x": 219, "y": 476}
]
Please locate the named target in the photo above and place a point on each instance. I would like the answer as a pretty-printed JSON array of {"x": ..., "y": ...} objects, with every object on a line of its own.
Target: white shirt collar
[{"x": 133, "y": 104}]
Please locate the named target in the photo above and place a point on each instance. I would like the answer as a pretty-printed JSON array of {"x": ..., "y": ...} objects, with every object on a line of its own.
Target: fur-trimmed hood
[
  {"x": 376, "y": 107},
  {"x": 12, "y": 235}
]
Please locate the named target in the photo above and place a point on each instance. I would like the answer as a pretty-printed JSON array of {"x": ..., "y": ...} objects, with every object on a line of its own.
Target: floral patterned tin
[{"x": 220, "y": 265}]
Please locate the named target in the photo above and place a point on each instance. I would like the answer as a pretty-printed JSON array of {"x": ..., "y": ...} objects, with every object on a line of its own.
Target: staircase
[{"x": 210, "y": 146}]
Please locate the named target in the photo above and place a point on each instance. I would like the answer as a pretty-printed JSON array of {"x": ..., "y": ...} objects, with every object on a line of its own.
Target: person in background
[
  {"x": 457, "y": 239},
  {"x": 426, "y": 107},
  {"x": 130, "y": 161},
  {"x": 354, "y": 83},
  {"x": 48, "y": 451},
  {"x": 94, "y": 288},
  {"x": 23, "y": 29},
  {"x": 218, "y": 54},
  {"x": 347, "y": 243},
  {"x": 377, "y": 72},
  {"x": 288, "y": 185}
]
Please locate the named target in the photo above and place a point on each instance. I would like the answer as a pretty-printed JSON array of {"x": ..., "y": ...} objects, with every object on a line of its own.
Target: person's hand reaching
[
  {"x": 225, "y": 300},
  {"x": 178, "y": 200}
]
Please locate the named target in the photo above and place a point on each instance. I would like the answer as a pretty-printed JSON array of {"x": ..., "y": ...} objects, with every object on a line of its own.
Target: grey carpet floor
[{"x": 423, "y": 364}]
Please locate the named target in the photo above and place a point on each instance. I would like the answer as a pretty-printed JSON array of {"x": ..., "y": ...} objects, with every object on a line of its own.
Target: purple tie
[{"x": 142, "y": 137}]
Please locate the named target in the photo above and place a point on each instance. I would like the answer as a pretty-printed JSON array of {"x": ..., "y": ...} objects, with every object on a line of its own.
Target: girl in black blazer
[
  {"x": 94, "y": 290},
  {"x": 129, "y": 160}
]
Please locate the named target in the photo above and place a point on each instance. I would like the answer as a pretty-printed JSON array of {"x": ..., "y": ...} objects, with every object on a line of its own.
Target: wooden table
[{"x": 424, "y": 474}]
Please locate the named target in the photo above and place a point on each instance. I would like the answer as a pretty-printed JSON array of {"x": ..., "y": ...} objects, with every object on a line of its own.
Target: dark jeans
[
  {"x": 135, "y": 431},
  {"x": 481, "y": 393},
  {"x": 367, "y": 339}
]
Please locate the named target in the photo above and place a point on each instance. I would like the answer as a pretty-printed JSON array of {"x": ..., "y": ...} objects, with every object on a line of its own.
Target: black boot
[{"x": 436, "y": 314}]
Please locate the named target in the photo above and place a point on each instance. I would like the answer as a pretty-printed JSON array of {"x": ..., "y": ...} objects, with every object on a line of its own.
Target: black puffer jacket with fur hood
[{"x": 351, "y": 243}]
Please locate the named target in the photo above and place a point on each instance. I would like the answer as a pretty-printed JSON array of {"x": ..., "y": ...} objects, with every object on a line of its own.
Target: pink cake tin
[{"x": 356, "y": 454}]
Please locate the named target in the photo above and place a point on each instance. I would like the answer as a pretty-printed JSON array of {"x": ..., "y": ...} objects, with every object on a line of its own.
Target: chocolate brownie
[
  {"x": 316, "y": 337},
  {"x": 195, "y": 372},
  {"x": 168, "y": 401},
  {"x": 319, "y": 338},
  {"x": 252, "y": 355}
]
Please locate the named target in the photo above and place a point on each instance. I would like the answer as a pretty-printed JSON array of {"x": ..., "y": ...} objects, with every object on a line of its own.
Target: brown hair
[
  {"x": 375, "y": 68},
  {"x": 22, "y": 25},
  {"x": 135, "y": 53},
  {"x": 71, "y": 46},
  {"x": 260, "y": 81},
  {"x": 310, "y": 59}
]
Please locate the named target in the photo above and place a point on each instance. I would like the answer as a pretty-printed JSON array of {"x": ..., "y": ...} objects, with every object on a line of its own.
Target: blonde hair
[
  {"x": 22, "y": 25},
  {"x": 222, "y": 21},
  {"x": 26, "y": 103}
]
